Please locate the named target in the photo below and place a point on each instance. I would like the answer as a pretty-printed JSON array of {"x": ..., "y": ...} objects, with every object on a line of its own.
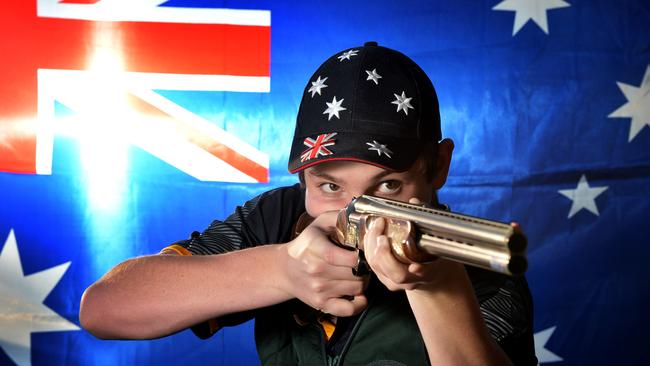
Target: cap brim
[{"x": 390, "y": 153}]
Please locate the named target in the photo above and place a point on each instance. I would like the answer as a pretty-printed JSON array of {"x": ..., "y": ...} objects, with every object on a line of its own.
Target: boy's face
[{"x": 332, "y": 185}]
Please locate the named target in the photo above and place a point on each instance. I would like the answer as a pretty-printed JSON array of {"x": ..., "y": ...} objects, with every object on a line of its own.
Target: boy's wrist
[
  {"x": 282, "y": 262},
  {"x": 449, "y": 276}
]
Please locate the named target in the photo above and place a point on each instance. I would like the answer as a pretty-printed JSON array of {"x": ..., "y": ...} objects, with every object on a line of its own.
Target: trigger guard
[{"x": 362, "y": 268}]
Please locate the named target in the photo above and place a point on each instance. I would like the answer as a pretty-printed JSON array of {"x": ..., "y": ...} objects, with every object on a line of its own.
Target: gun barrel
[
  {"x": 471, "y": 240},
  {"x": 478, "y": 256}
]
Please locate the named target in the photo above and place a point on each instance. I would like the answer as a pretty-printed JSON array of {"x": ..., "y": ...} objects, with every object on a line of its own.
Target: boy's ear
[{"x": 445, "y": 150}]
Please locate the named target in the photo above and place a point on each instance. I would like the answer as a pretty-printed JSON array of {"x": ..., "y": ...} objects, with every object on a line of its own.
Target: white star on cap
[
  {"x": 334, "y": 108},
  {"x": 637, "y": 106},
  {"x": 346, "y": 55},
  {"x": 372, "y": 75},
  {"x": 403, "y": 103},
  {"x": 583, "y": 196},
  {"x": 381, "y": 149},
  {"x": 316, "y": 86}
]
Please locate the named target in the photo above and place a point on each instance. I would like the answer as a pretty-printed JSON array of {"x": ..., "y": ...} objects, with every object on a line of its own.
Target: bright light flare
[{"x": 102, "y": 134}]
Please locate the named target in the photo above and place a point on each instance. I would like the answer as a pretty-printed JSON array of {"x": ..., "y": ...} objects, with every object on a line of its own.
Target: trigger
[{"x": 362, "y": 268}]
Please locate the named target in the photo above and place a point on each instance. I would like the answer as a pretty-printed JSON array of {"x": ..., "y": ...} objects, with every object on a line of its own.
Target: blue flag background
[{"x": 547, "y": 102}]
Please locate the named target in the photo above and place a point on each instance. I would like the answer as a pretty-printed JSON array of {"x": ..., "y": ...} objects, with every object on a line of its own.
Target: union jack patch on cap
[{"x": 318, "y": 146}]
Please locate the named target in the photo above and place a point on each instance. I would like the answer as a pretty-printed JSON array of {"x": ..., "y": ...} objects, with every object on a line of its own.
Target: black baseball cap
[{"x": 369, "y": 104}]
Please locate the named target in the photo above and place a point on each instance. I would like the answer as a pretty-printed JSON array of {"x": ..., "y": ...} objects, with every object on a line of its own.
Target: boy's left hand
[{"x": 394, "y": 274}]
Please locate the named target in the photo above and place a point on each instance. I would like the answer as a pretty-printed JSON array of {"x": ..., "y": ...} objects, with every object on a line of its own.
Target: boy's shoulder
[
  {"x": 287, "y": 195},
  {"x": 275, "y": 209}
]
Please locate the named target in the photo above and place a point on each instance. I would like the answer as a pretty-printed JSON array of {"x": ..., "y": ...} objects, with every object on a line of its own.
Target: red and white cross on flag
[
  {"x": 318, "y": 146},
  {"x": 103, "y": 59}
]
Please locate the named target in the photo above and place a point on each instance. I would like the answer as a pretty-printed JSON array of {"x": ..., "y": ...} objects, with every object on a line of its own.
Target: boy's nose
[{"x": 360, "y": 192}]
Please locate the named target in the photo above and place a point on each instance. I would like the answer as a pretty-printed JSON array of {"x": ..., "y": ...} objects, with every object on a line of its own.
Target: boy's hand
[
  {"x": 394, "y": 274},
  {"x": 319, "y": 272}
]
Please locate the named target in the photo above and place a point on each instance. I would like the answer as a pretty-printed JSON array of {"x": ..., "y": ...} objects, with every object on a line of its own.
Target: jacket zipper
[{"x": 348, "y": 342}]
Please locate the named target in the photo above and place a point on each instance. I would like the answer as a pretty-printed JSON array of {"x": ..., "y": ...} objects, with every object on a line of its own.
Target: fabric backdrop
[{"x": 126, "y": 125}]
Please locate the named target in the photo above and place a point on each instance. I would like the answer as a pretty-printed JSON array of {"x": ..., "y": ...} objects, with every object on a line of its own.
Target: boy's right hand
[{"x": 319, "y": 273}]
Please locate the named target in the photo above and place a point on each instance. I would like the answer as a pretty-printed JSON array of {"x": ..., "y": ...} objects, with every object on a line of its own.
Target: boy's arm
[
  {"x": 153, "y": 296},
  {"x": 451, "y": 322},
  {"x": 443, "y": 302}
]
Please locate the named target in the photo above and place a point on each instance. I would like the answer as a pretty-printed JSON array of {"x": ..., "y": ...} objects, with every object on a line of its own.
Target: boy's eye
[
  {"x": 389, "y": 186},
  {"x": 330, "y": 187}
]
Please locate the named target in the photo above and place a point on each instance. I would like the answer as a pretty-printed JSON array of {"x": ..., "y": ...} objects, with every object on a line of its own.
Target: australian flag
[{"x": 126, "y": 125}]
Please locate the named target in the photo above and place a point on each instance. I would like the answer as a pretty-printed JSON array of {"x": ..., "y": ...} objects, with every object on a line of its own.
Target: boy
[{"x": 368, "y": 124}]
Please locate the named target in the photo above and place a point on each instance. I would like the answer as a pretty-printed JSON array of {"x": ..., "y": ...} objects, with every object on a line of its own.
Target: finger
[
  {"x": 324, "y": 290},
  {"x": 415, "y": 201},
  {"x": 373, "y": 229},
  {"x": 384, "y": 262},
  {"x": 317, "y": 243},
  {"x": 326, "y": 221},
  {"x": 345, "y": 307},
  {"x": 334, "y": 255},
  {"x": 370, "y": 240},
  {"x": 390, "y": 285},
  {"x": 418, "y": 202},
  {"x": 416, "y": 267},
  {"x": 421, "y": 270},
  {"x": 323, "y": 270},
  {"x": 378, "y": 225}
]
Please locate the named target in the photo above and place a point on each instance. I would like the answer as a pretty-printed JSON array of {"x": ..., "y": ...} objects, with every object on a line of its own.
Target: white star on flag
[
  {"x": 334, "y": 108},
  {"x": 381, "y": 149},
  {"x": 372, "y": 75},
  {"x": 346, "y": 55},
  {"x": 542, "y": 353},
  {"x": 22, "y": 311},
  {"x": 530, "y": 9},
  {"x": 316, "y": 86},
  {"x": 403, "y": 103},
  {"x": 583, "y": 197},
  {"x": 637, "y": 106}
]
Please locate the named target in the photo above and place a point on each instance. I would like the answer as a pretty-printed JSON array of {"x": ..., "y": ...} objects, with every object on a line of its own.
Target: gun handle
[
  {"x": 402, "y": 235},
  {"x": 403, "y": 238}
]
